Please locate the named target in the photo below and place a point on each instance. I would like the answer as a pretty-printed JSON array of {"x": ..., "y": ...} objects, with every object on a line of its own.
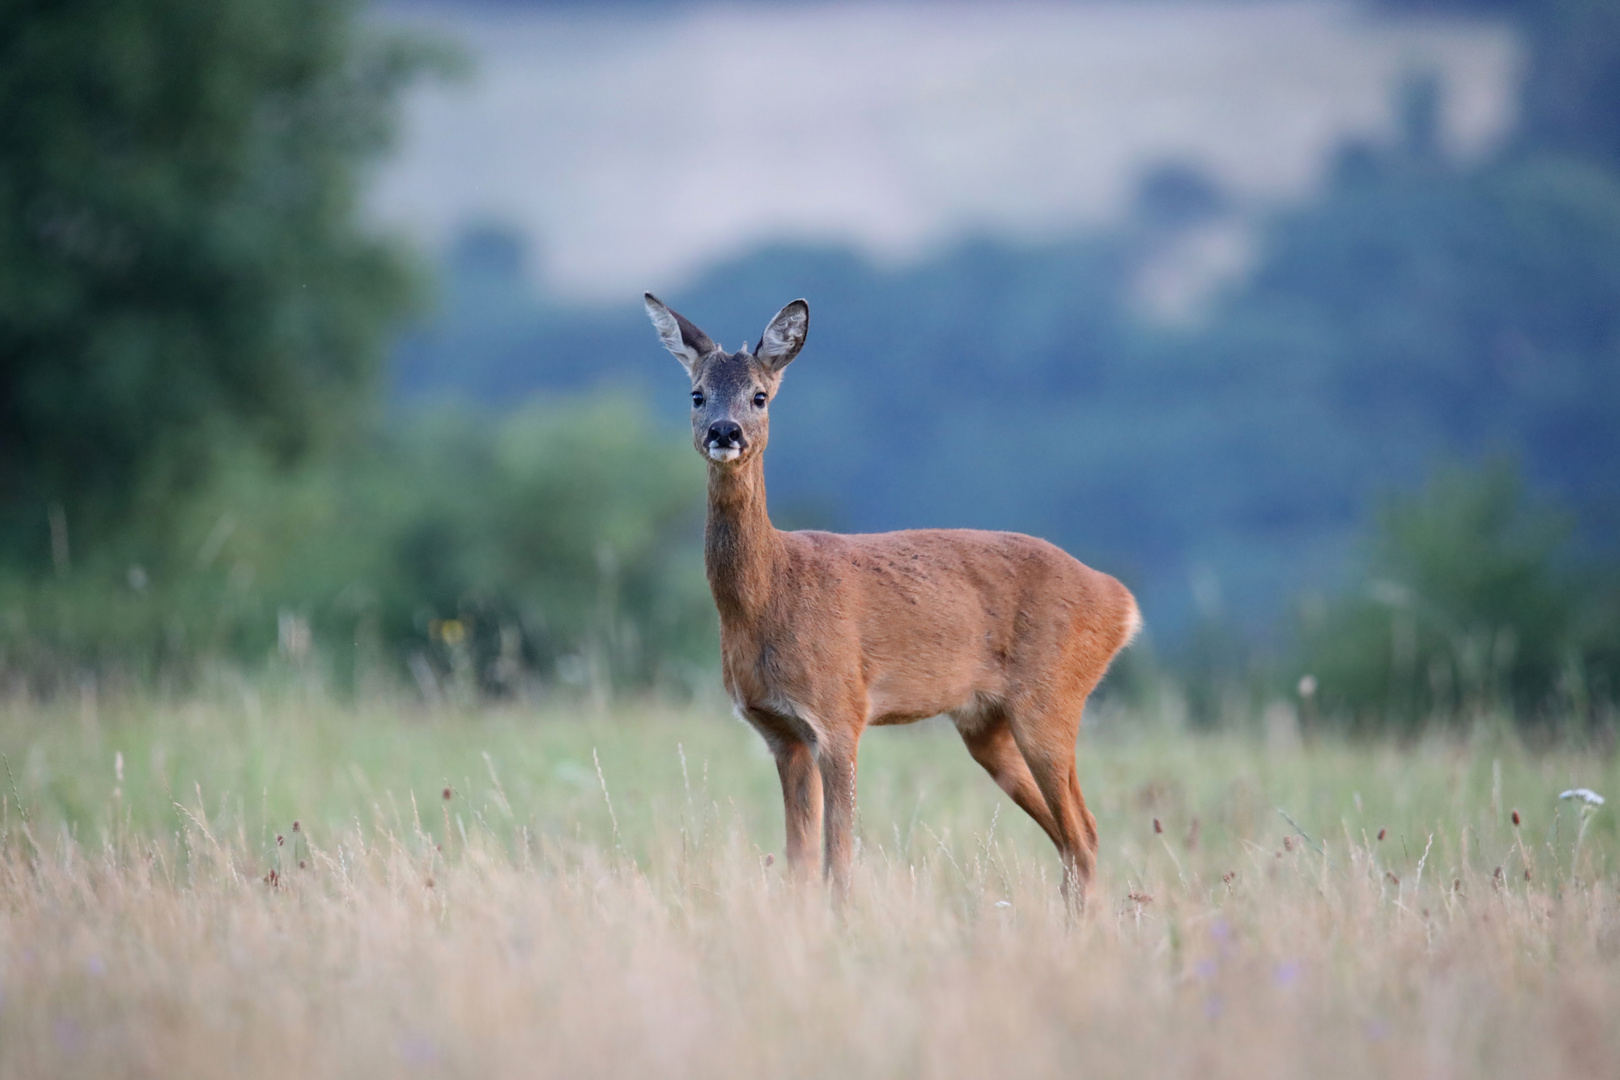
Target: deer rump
[{"x": 824, "y": 634}]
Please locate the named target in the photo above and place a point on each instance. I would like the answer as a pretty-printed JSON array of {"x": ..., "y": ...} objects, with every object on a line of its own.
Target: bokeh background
[{"x": 322, "y": 351}]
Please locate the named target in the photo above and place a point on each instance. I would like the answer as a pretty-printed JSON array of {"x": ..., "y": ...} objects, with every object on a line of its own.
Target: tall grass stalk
[{"x": 569, "y": 933}]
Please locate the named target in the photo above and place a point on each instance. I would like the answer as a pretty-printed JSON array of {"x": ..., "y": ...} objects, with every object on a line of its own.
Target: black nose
[{"x": 726, "y": 435}]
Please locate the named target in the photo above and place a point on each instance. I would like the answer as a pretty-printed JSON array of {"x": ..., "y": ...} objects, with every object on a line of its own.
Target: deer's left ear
[{"x": 785, "y": 335}]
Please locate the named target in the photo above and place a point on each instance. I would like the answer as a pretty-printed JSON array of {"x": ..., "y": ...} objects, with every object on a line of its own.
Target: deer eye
[
  {"x": 697, "y": 399},
  {"x": 759, "y": 400}
]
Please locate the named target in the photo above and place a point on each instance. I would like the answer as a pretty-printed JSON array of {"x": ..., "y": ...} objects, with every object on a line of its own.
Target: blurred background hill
[{"x": 322, "y": 342}]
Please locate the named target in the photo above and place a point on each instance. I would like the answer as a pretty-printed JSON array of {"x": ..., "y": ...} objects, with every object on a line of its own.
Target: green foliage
[
  {"x": 560, "y": 542},
  {"x": 188, "y": 305},
  {"x": 181, "y": 262},
  {"x": 1473, "y": 600},
  {"x": 1416, "y": 310}
]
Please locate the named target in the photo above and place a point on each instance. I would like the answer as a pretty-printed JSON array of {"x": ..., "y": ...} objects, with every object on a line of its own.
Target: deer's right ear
[{"x": 685, "y": 342}]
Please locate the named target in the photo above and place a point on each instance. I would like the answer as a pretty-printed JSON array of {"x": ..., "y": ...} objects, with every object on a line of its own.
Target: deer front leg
[
  {"x": 837, "y": 759},
  {"x": 802, "y": 801}
]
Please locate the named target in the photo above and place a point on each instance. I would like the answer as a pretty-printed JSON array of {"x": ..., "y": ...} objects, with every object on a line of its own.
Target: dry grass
[{"x": 151, "y": 925}]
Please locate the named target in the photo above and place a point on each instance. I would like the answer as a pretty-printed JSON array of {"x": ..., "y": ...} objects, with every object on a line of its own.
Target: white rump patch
[{"x": 1133, "y": 624}]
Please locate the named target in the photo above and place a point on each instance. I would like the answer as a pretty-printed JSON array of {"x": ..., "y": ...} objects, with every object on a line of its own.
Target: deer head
[{"x": 732, "y": 392}]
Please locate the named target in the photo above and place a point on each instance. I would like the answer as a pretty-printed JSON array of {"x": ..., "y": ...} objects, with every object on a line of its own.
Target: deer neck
[{"x": 740, "y": 548}]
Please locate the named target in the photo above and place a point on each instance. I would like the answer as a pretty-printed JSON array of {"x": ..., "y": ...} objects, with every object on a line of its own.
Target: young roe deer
[{"x": 823, "y": 634}]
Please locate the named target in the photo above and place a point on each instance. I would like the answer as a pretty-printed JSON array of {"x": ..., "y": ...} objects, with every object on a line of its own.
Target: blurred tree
[
  {"x": 1450, "y": 310},
  {"x": 1473, "y": 598},
  {"x": 559, "y": 542},
  {"x": 181, "y": 260},
  {"x": 1571, "y": 94},
  {"x": 1177, "y": 194},
  {"x": 574, "y": 521}
]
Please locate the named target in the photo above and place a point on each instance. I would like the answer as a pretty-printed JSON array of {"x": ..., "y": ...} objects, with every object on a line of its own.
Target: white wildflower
[{"x": 1585, "y": 795}]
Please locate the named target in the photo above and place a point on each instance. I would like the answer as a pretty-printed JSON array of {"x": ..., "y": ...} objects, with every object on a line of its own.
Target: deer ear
[
  {"x": 785, "y": 335},
  {"x": 685, "y": 342}
]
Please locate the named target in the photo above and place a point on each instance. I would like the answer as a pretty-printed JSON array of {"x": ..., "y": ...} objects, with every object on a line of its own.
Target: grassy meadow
[{"x": 259, "y": 881}]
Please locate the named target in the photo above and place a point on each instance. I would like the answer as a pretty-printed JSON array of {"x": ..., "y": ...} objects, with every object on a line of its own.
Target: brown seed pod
[{"x": 1157, "y": 828}]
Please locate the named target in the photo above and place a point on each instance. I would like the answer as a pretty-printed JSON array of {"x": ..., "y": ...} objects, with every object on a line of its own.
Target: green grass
[
  {"x": 151, "y": 923},
  {"x": 252, "y": 765}
]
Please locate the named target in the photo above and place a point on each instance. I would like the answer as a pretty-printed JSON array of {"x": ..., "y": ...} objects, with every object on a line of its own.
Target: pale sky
[{"x": 637, "y": 148}]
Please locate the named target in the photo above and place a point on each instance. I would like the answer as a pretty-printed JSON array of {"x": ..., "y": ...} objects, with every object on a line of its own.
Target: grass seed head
[
  {"x": 1157, "y": 828},
  {"x": 295, "y": 826}
]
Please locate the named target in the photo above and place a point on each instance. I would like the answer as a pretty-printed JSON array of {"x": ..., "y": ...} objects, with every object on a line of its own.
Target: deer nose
[{"x": 725, "y": 435}]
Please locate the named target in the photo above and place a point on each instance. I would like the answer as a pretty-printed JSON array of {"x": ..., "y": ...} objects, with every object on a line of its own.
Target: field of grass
[{"x": 259, "y": 883}]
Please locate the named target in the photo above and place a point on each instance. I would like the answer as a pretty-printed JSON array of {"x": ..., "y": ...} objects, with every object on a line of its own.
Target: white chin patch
[{"x": 724, "y": 453}]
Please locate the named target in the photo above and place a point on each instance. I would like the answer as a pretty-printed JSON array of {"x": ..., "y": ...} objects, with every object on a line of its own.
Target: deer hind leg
[
  {"x": 1046, "y": 733},
  {"x": 1088, "y": 824},
  {"x": 992, "y": 745},
  {"x": 802, "y": 801}
]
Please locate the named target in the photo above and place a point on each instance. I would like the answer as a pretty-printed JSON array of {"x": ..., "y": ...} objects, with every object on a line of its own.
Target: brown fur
[{"x": 822, "y": 635}]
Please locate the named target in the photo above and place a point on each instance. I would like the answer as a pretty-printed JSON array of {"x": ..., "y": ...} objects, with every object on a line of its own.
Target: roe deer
[{"x": 823, "y": 634}]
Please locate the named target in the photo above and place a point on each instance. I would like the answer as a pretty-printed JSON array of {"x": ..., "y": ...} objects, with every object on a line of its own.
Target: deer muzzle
[{"x": 725, "y": 441}]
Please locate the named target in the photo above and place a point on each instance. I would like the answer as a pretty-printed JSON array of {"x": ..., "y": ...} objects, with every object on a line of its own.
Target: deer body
[{"x": 823, "y": 634}]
